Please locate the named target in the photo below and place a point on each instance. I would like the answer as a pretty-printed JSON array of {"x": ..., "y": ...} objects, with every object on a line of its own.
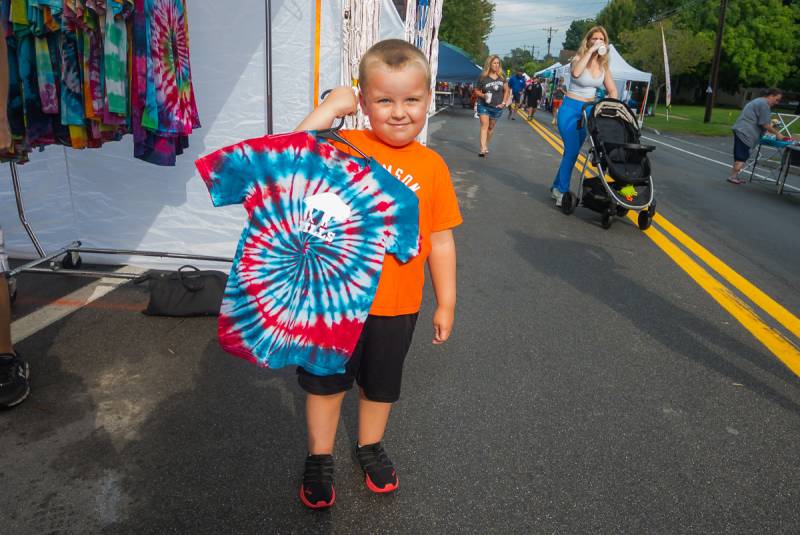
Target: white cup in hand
[{"x": 602, "y": 50}]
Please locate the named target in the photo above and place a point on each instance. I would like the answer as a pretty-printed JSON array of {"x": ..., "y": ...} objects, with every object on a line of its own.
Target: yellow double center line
[{"x": 773, "y": 340}]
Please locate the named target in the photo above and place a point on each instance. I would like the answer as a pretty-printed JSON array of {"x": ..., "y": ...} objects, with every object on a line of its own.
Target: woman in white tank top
[{"x": 589, "y": 71}]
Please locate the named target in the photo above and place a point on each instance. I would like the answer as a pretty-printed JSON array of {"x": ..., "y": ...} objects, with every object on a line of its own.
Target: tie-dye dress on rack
[{"x": 308, "y": 263}]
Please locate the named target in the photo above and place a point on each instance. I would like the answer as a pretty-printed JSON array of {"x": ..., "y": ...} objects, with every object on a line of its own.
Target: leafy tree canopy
[
  {"x": 518, "y": 58},
  {"x": 686, "y": 50},
  {"x": 467, "y": 24},
  {"x": 761, "y": 41},
  {"x": 575, "y": 33}
]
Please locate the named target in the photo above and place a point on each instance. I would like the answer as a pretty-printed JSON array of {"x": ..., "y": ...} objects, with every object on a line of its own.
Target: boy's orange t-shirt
[{"x": 426, "y": 173}]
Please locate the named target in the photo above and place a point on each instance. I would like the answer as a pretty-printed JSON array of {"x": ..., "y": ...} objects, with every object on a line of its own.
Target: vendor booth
[
  {"x": 548, "y": 72},
  {"x": 455, "y": 65},
  {"x": 105, "y": 197},
  {"x": 623, "y": 74}
]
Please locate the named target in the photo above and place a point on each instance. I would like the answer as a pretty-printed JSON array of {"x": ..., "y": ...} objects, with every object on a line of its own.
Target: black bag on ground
[{"x": 186, "y": 292}]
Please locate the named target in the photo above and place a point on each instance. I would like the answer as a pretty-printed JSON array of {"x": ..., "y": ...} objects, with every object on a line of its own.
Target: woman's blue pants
[{"x": 569, "y": 114}]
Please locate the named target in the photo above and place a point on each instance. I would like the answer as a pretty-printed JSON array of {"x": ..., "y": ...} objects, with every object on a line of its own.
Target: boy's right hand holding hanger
[{"x": 340, "y": 102}]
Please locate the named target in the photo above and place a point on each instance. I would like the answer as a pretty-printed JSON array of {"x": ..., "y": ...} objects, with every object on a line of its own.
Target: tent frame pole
[
  {"x": 644, "y": 105},
  {"x": 71, "y": 261},
  {"x": 268, "y": 66}
]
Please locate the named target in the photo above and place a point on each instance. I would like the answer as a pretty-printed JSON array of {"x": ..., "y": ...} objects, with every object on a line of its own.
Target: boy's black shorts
[{"x": 376, "y": 363}]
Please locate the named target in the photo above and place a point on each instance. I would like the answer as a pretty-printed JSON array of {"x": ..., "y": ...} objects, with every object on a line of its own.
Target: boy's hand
[
  {"x": 341, "y": 101},
  {"x": 442, "y": 324}
]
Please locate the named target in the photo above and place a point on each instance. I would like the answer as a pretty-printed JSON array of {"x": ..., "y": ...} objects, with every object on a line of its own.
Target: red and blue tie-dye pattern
[{"x": 308, "y": 263}]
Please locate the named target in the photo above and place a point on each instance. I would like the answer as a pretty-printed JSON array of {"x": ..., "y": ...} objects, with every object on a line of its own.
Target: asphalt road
[{"x": 590, "y": 385}]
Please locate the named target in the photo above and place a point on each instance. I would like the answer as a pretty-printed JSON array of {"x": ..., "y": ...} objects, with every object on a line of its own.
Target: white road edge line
[
  {"x": 712, "y": 149},
  {"x": 49, "y": 314},
  {"x": 728, "y": 165}
]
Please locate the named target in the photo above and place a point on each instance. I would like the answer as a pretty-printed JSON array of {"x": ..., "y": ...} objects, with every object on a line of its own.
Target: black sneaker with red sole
[
  {"x": 317, "y": 490},
  {"x": 380, "y": 475}
]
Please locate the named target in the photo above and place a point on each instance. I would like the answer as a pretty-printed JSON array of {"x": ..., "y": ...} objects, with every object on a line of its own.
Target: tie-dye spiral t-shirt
[{"x": 308, "y": 262}]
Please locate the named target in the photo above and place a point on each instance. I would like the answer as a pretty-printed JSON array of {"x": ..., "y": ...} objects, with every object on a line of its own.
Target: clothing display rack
[{"x": 67, "y": 260}]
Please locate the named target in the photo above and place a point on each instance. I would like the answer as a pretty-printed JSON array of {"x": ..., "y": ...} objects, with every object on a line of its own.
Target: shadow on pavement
[{"x": 580, "y": 265}]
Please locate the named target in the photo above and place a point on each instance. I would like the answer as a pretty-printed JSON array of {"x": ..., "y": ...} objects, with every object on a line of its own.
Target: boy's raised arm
[
  {"x": 442, "y": 265},
  {"x": 340, "y": 102}
]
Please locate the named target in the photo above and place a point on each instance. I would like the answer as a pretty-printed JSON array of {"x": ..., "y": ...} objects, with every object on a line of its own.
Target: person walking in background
[
  {"x": 558, "y": 97},
  {"x": 517, "y": 86},
  {"x": 589, "y": 71},
  {"x": 493, "y": 96},
  {"x": 533, "y": 94},
  {"x": 749, "y": 127}
]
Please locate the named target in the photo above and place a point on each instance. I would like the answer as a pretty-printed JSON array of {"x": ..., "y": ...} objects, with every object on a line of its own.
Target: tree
[
  {"x": 467, "y": 24},
  {"x": 686, "y": 50},
  {"x": 617, "y": 17},
  {"x": 760, "y": 44},
  {"x": 517, "y": 59},
  {"x": 620, "y": 16},
  {"x": 577, "y": 29}
]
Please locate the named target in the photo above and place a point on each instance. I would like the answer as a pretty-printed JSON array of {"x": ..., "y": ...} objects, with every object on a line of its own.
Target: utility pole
[
  {"x": 533, "y": 51},
  {"x": 550, "y": 31},
  {"x": 711, "y": 90}
]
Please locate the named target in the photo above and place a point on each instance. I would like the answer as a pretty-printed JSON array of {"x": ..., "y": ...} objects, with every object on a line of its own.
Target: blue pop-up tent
[{"x": 455, "y": 65}]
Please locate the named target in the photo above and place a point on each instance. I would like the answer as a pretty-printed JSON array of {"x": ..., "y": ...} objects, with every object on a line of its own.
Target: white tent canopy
[
  {"x": 106, "y": 198},
  {"x": 552, "y": 67}
]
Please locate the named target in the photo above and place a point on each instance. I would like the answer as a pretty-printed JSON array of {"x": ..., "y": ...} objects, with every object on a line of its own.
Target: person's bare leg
[
  {"x": 736, "y": 169},
  {"x": 5, "y": 317},
  {"x": 372, "y": 419},
  {"x": 322, "y": 419},
  {"x": 489, "y": 132},
  {"x": 484, "y": 132}
]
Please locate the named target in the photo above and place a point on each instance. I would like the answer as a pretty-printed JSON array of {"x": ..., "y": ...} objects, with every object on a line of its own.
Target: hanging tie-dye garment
[
  {"x": 81, "y": 72},
  {"x": 169, "y": 107},
  {"x": 308, "y": 262}
]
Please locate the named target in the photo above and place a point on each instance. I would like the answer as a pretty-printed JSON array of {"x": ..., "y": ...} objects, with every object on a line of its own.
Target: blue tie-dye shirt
[{"x": 309, "y": 260}]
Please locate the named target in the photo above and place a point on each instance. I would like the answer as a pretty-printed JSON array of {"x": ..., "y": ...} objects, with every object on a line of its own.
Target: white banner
[{"x": 668, "y": 86}]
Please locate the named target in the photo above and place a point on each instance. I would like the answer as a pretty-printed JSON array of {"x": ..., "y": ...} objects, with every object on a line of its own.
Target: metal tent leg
[
  {"x": 21, "y": 210},
  {"x": 72, "y": 251}
]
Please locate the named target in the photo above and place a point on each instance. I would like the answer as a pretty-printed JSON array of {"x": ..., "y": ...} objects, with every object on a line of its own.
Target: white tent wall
[{"x": 106, "y": 198}]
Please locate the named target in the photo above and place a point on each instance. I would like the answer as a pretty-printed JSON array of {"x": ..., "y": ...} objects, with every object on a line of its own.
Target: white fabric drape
[
  {"x": 360, "y": 30},
  {"x": 422, "y": 30}
]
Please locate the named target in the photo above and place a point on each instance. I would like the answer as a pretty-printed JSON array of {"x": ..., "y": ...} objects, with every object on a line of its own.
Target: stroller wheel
[
  {"x": 608, "y": 218},
  {"x": 621, "y": 212},
  {"x": 652, "y": 209},
  {"x": 568, "y": 202},
  {"x": 645, "y": 219}
]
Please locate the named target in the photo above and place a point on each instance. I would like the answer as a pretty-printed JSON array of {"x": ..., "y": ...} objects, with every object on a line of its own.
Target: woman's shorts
[
  {"x": 376, "y": 363},
  {"x": 491, "y": 111},
  {"x": 556, "y": 103},
  {"x": 741, "y": 152}
]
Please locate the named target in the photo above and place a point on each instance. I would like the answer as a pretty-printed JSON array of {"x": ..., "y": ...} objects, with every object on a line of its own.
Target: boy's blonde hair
[{"x": 395, "y": 54}]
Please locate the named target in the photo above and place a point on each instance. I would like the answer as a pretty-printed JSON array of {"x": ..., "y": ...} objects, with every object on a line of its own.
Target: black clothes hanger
[{"x": 333, "y": 132}]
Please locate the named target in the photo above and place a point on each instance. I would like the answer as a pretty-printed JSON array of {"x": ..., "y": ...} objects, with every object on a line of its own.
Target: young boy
[{"x": 395, "y": 80}]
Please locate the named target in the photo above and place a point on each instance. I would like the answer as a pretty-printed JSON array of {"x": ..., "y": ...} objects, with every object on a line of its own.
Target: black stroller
[{"x": 623, "y": 181}]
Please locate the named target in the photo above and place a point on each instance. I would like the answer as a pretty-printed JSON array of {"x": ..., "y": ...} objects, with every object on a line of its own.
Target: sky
[{"x": 522, "y": 23}]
